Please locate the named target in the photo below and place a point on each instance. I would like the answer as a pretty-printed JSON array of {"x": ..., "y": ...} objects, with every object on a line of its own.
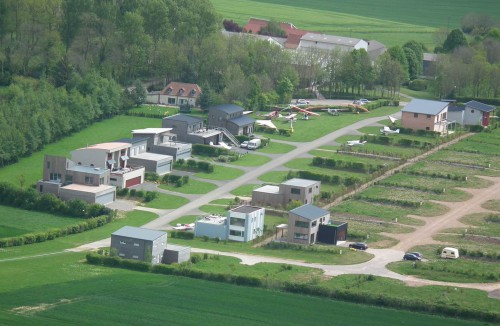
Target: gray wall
[{"x": 130, "y": 248}]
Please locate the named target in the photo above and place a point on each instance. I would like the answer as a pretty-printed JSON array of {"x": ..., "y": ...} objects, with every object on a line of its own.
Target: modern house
[
  {"x": 192, "y": 130},
  {"x": 332, "y": 232},
  {"x": 231, "y": 118},
  {"x": 68, "y": 180},
  {"x": 425, "y": 115},
  {"x": 301, "y": 190},
  {"x": 163, "y": 141},
  {"x": 176, "y": 93},
  {"x": 112, "y": 156},
  {"x": 152, "y": 162},
  {"x": 304, "y": 223},
  {"x": 245, "y": 223},
  {"x": 139, "y": 243}
]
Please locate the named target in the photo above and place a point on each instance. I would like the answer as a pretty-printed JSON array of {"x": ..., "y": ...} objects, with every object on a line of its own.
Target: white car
[
  {"x": 302, "y": 101},
  {"x": 244, "y": 144},
  {"x": 361, "y": 101}
]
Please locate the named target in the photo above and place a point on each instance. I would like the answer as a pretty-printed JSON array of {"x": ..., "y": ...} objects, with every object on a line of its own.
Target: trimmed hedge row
[
  {"x": 403, "y": 142},
  {"x": 348, "y": 295},
  {"x": 52, "y": 234},
  {"x": 194, "y": 165},
  {"x": 347, "y": 165},
  {"x": 397, "y": 202},
  {"x": 146, "y": 196},
  {"x": 414, "y": 187},
  {"x": 182, "y": 235},
  {"x": 449, "y": 176},
  {"x": 333, "y": 179},
  {"x": 211, "y": 151}
]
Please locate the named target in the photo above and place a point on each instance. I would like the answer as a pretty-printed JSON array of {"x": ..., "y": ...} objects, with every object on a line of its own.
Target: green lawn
[
  {"x": 214, "y": 209},
  {"x": 411, "y": 195},
  {"x": 192, "y": 187},
  {"x": 15, "y": 221},
  {"x": 30, "y": 168},
  {"x": 277, "y": 148},
  {"x": 251, "y": 160},
  {"x": 188, "y": 219},
  {"x": 427, "y": 182},
  {"x": 493, "y": 205},
  {"x": 155, "y": 109},
  {"x": 306, "y": 164},
  {"x": 245, "y": 190},
  {"x": 164, "y": 201},
  {"x": 221, "y": 173},
  {"x": 274, "y": 176}
]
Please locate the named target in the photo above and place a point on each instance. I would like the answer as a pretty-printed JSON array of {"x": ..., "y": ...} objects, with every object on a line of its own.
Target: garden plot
[
  {"x": 432, "y": 183},
  {"x": 493, "y": 205},
  {"x": 470, "y": 243},
  {"x": 472, "y": 145},
  {"x": 437, "y": 169},
  {"x": 486, "y": 224},
  {"x": 386, "y": 212},
  {"x": 306, "y": 165},
  {"x": 467, "y": 158},
  {"x": 410, "y": 197},
  {"x": 379, "y": 149}
]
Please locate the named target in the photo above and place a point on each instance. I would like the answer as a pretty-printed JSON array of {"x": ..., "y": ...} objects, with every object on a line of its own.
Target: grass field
[
  {"x": 245, "y": 190},
  {"x": 103, "y": 131},
  {"x": 192, "y": 187},
  {"x": 221, "y": 173},
  {"x": 277, "y": 148},
  {"x": 251, "y": 160},
  {"x": 164, "y": 201},
  {"x": 15, "y": 221},
  {"x": 390, "y": 22}
]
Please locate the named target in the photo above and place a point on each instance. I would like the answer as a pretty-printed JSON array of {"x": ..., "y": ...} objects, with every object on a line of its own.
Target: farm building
[{"x": 139, "y": 243}]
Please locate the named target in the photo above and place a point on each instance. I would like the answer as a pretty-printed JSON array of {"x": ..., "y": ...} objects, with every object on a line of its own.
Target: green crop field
[
  {"x": 15, "y": 221},
  {"x": 392, "y": 22}
]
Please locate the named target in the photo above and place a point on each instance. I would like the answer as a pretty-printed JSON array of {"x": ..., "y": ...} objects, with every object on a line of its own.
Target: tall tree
[{"x": 454, "y": 40}]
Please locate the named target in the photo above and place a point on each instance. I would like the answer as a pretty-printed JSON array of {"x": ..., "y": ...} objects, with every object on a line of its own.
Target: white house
[{"x": 245, "y": 223}]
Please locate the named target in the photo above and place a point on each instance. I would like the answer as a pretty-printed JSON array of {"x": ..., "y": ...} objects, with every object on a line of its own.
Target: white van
[
  {"x": 254, "y": 144},
  {"x": 450, "y": 253}
]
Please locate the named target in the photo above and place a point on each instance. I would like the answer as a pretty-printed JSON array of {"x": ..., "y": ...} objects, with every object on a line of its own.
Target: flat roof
[
  {"x": 212, "y": 219},
  {"x": 310, "y": 212},
  {"x": 332, "y": 39},
  {"x": 152, "y": 156},
  {"x": 246, "y": 209},
  {"x": 268, "y": 189},
  {"x": 177, "y": 247},
  {"x": 89, "y": 189},
  {"x": 184, "y": 118},
  {"x": 425, "y": 106},
  {"x": 108, "y": 146},
  {"x": 151, "y": 130},
  {"x": 139, "y": 233},
  {"x": 300, "y": 182},
  {"x": 132, "y": 140},
  {"x": 87, "y": 169}
]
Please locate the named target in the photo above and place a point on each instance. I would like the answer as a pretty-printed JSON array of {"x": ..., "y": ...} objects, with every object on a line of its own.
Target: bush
[{"x": 418, "y": 85}]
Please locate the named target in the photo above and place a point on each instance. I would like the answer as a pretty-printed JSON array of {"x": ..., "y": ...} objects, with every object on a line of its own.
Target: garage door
[
  {"x": 164, "y": 168},
  {"x": 105, "y": 198},
  {"x": 133, "y": 182}
]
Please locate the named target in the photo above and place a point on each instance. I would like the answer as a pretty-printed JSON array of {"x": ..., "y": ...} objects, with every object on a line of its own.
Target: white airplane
[
  {"x": 392, "y": 119},
  {"x": 266, "y": 123},
  {"x": 189, "y": 226},
  {"x": 333, "y": 112},
  {"x": 355, "y": 143},
  {"x": 387, "y": 131},
  {"x": 290, "y": 117}
]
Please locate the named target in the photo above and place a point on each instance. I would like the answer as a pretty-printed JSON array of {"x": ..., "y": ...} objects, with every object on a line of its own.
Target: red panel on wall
[{"x": 133, "y": 182}]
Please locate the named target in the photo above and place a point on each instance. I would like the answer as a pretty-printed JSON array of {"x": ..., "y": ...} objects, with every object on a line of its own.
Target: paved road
[{"x": 222, "y": 191}]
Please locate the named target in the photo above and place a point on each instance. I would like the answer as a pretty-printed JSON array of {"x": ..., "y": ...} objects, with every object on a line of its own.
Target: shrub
[{"x": 132, "y": 192}]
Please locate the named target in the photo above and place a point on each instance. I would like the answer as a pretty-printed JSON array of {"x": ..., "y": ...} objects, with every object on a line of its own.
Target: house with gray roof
[
  {"x": 425, "y": 115},
  {"x": 190, "y": 129},
  {"x": 304, "y": 223},
  {"x": 280, "y": 196},
  {"x": 131, "y": 242},
  {"x": 152, "y": 162},
  {"x": 331, "y": 42},
  {"x": 477, "y": 113},
  {"x": 231, "y": 118}
]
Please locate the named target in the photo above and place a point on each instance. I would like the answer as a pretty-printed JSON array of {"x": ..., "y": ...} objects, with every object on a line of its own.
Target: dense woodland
[{"x": 67, "y": 63}]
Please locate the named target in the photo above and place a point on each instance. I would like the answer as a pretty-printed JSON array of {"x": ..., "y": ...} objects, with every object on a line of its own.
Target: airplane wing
[
  {"x": 266, "y": 123},
  {"x": 304, "y": 110},
  {"x": 392, "y": 119}
]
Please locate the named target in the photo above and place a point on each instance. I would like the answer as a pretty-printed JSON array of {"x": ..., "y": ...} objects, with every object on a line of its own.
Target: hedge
[{"x": 211, "y": 151}]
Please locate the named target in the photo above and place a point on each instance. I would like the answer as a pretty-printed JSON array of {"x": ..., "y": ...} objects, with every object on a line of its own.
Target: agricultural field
[
  {"x": 372, "y": 20},
  {"x": 15, "y": 221},
  {"x": 476, "y": 160}
]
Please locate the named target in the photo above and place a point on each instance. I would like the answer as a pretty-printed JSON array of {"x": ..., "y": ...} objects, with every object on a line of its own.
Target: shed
[
  {"x": 176, "y": 254},
  {"x": 332, "y": 232}
]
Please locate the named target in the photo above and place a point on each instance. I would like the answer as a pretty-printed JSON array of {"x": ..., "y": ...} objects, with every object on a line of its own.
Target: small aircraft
[
  {"x": 334, "y": 112},
  {"x": 393, "y": 120},
  {"x": 266, "y": 123},
  {"x": 355, "y": 143},
  {"x": 272, "y": 114},
  {"x": 290, "y": 117},
  {"x": 305, "y": 111},
  {"x": 387, "y": 131},
  {"x": 189, "y": 226}
]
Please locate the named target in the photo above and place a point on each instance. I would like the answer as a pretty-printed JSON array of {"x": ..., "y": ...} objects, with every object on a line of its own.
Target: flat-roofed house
[
  {"x": 163, "y": 141},
  {"x": 68, "y": 180},
  {"x": 425, "y": 115},
  {"x": 304, "y": 222},
  {"x": 139, "y": 243},
  {"x": 295, "y": 189},
  {"x": 152, "y": 162},
  {"x": 113, "y": 156},
  {"x": 245, "y": 223},
  {"x": 192, "y": 130}
]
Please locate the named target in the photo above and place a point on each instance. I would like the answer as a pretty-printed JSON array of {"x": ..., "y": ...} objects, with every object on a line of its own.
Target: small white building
[
  {"x": 212, "y": 226},
  {"x": 245, "y": 223}
]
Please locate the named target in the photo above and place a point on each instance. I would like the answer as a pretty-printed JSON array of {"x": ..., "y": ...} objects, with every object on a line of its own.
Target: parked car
[
  {"x": 244, "y": 144},
  {"x": 358, "y": 245},
  {"x": 254, "y": 143},
  {"x": 361, "y": 101},
  {"x": 416, "y": 253},
  {"x": 301, "y": 101},
  {"x": 409, "y": 256}
]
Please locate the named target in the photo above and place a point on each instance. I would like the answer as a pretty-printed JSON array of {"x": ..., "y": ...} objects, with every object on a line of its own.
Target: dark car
[
  {"x": 416, "y": 253},
  {"x": 359, "y": 245},
  {"x": 411, "y": 257}
]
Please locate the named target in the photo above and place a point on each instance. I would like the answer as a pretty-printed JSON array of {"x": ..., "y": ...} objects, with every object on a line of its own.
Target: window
[
  {"x": 415, "y": 115},
  {"x": 427, "y": 128},
  {"x": 300, "y": 236},
  {"x": 89, "y": 180},
  {"x": 135, "y": 257},
  {"x": 101, "y": 180},
  {"x": 171, "y": 100},
  {"x": 301, "y": 224},
  {"x": 237, "y": 221},
  {"x": 314, "y": 223},
  {"x": 55, "y": 176},
  {"x": 444, "y": 115},
  {"x": 237, "y": 233},
  {"x": 123, "y": 242},
  {"x": 428, "y": 116},
  {"x": 136, "y": 245},
  {"x": 471, "y": 111},
  {"x": 295, "y": 191},
  {"x": 310, "y": 190},
  {"x": 48, "y": 165},
  {"x": 121, "y": 255},
  {"x": 113, "y": 179},
  {"x": 69, "y": 178}
]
